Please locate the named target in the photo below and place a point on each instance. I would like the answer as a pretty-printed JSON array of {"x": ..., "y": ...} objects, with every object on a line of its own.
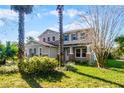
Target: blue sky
[{"x": 42, "y": 18}]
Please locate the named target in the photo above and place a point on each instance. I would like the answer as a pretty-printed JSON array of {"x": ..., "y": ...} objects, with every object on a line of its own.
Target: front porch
[{"x": 82, "y": 53}]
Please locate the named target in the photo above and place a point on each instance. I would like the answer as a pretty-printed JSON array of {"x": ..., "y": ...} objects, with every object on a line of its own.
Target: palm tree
[
  {"x": 61, "y": 50},
  {"x": 22, "y": 10}
]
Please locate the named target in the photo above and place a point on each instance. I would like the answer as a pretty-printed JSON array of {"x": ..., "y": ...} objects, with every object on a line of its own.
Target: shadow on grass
[
  {"x": 31, "y": 81},
  {"x": 50, "y": 77},
  {"x": 98, "y": 78}
]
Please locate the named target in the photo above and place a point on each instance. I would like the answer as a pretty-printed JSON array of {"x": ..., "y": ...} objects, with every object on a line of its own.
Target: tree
[
  {"x": 2, "y": 53},
  {"x": 61, "y": 50},
  {"x": 8, "y": 52},
  {"x": 30, "y": 38},
  {"x": 120, "y": 41},
  {"x": 22, "y": 10},
  {"x": 104, "y": 22}
]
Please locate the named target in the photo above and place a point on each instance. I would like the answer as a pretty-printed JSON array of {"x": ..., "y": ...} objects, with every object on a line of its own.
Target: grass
[{"x": 82, "y": 77}]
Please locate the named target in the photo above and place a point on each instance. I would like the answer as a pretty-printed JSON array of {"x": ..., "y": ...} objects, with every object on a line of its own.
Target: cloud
[
  {"x": 53, "y": 12},
  {"x": 34, "y": 34},
  {"x": 71, "y": 26},
  {"x": 72, "y": 13},
  {"x": 8, "y": 14},
  {"x": 1, "y": 23},
  {"x": 69, "y": 12}
]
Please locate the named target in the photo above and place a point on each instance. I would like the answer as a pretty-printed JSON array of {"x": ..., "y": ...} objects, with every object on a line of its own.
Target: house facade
[{"x": 76, "y": 45}]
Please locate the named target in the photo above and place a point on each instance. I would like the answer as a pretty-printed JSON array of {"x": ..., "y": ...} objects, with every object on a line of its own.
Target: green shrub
[
  {"x": 110, "y": 56},
  {"x": 8, "y": 69},
  {"x": 38, "y": 64},
  {"x": 81, "y": 62}
]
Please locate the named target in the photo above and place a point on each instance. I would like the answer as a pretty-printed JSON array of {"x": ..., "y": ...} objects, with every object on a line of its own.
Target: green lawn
[{"x": 82, "y": 77}]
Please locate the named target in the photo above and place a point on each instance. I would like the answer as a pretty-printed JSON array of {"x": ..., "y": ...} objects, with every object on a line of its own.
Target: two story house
[{"x": 76, "y": 45}]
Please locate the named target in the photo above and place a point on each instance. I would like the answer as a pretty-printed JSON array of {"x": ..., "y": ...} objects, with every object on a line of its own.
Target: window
[
  {"x": 78, "y": 52},
  {"x": 30, "y": 51},
  {"x": 34, "y": 51},
  {"x": 40, "y": 51},
  {"x": 82, "y": 36},
  {"x": 44, "y": 40},
  {"x": 73, "y": 36},
  {"x": 48, "y": 39},
  {"x": 81, "y": 52},
  {"x": 53, "y": 38},
  {"x": 84, "y": 50},
  {"x": 66, "y": 37}
]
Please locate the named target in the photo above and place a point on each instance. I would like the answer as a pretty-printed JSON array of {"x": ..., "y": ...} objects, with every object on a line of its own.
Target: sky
[{"x": 43, "y": 17}]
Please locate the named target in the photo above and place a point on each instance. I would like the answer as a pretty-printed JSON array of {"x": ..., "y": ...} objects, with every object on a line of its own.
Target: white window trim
[
  {"x": 80, "y": 53},
  {"x": 41, "y": 51}
]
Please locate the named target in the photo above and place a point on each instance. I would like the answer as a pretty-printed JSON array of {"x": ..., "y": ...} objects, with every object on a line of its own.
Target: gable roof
[
  {"x": 41, "y": 43},
  {"x": 47, "y": 30},
  {"x": 77, "y": 30}
]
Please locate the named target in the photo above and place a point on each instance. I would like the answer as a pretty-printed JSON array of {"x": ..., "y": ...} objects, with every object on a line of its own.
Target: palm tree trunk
[
  {"x": 61, "y": 37},
  {"x": 21, "y": 36}
]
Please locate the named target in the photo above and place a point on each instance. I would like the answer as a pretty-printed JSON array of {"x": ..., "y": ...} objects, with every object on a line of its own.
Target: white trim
[
  {"x": 80, "y": 53},
  {"x": 39, "y": 51}
]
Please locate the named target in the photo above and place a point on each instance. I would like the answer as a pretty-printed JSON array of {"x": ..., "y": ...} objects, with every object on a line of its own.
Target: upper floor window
[
  {"x": 53, "y": 38},
  {"x": 66, "y": 37},
  {"x": 73, "y": 36},
  {"x": 44, "y": 40},
  {"x": 82, "y": 36},
  {"x": 48, "y": 39}
]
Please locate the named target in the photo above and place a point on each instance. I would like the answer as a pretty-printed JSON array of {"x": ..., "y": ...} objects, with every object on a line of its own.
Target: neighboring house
[{"x": 76, "y": 45}]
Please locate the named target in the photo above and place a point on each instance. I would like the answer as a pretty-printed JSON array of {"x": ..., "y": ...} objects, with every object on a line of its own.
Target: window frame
[
  {"x": 34, "y": 51},
  {"x": 67, "y": 37},
  {"x": 76, "y": 52},
  {"x": 82, "y": 35},
  {"x": 48, "y": 38},
  {"x": 44, "y": 39},
  {"x": 40, "y": 51},
  {"x": 81, "y": 51},
  {"x": 74, "y": 35},
  {"x": 53, "y": 38}
]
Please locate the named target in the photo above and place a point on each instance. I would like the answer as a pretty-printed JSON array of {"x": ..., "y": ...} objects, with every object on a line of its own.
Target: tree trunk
[
  {"x": 61, "y": 50},
  {"x": 100, "y": 61},
  {"x": 21, "y": 36}
]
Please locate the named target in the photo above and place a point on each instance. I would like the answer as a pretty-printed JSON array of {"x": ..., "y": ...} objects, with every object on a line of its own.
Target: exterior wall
[
  {"x": 72, "y": 45},
  {"x": 79, "y": 39},
  {"x": 51, "y": 52},
  {"x": 70, "y": 53},
  {"x": 49, "y": 34}
]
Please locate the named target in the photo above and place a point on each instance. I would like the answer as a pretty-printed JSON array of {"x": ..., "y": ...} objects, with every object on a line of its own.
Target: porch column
[
  {"x": 71, "y": 54},
  {"x": 88, "y": 54},
  {"x": 71, "y": 50}
]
